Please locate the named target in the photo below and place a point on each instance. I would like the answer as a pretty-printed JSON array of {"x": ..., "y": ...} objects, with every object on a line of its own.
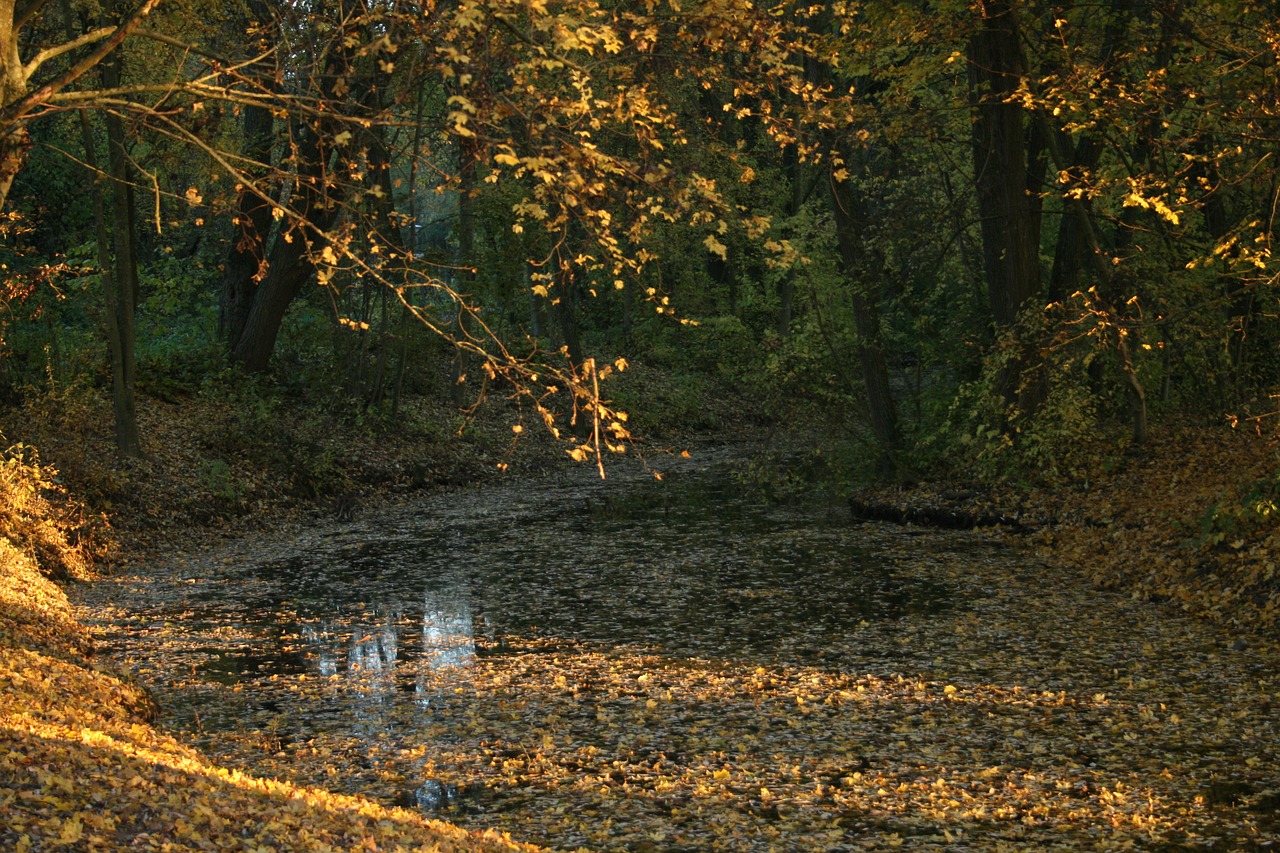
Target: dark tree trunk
[
  {"x": 392, "y": 252},
  {"x": 1010, "y": 236},
  {"x": 562, "y": 298},
  {"x": 786, "y": 286},
  {"x": 871, "y": 359},
  {"x": 1069, "y": 258},
  {"x": 246, "y": 263},
  {"x": 254, "y": 308},
  {"x": 464, "y": 262},
  {"x": 289, "y": 265},
  {"x": 120, "y": 277},
  {"x": 1008, "y": 211}
]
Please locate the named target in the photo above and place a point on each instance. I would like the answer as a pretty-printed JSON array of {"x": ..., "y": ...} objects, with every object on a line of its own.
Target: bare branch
[
  {"x": 57, "y": 50},
  {"x": 14, "y": 112}
]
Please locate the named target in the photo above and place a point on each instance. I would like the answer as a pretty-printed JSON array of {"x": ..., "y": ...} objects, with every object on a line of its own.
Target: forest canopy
[{"x": 1003, "y": 227}]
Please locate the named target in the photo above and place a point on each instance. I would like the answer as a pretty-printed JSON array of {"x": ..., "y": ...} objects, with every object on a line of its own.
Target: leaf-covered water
[{"x": 676, "y": 665}]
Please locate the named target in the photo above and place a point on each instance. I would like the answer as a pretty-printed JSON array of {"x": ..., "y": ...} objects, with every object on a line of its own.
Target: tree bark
[
  {"x": 1010, "y": 238},
  {"x": 246, "y": 264},
  {"x": 119, "y": 277},
  {"x": 1008, "y": 212},
  {"x": 18, "y": 100},
  {"x": 871, "y": 360}
]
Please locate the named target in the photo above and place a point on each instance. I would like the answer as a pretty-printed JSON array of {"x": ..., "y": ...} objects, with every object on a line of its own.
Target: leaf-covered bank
[
  {"x": 82, "y": 769},
  {"x": 1191, "y": 520}
]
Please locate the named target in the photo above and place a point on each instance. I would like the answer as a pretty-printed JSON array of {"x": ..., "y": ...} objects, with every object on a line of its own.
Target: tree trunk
[
  {"x": 871, "y": 360},
  {"x": 315, "y": 199},
  {"x": 289, "y": 265},
  {"x": 393, "y": 251},
  {"x": 566, "y": 317},
  {"x": 1010, "y": 224},
  {"x": 14, "y": 138},
  {"x": 18, "y": 100},
  {"x": 1010, "y": 239},
  {"x": 786, "y": 286},
  {"x": 120, "y": 278},
  {"x": 246, "y": 264},
  {"x": 465, "y": 234}
]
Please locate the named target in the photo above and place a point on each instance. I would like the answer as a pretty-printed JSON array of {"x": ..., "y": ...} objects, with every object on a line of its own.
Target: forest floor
[{"x": 1186, "y": 522}]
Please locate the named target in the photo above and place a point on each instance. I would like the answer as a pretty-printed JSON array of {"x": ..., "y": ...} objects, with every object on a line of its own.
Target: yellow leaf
[{"x": 72, "y": 829}]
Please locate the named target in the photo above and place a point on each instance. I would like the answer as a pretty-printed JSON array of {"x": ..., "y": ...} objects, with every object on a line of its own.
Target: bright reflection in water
[
  {"x": 448, "y": 637},
  {"x": 692, "y": 566},
  {"x": 369, "y": 656},
  {"x": 448, "y": 642}
]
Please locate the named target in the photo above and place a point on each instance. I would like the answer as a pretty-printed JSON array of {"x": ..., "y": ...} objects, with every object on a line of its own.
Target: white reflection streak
[
  {"x": 448, "y": 640},
  {"x": 327, "y": 663},
  {"x": 372, "y": 658},
  {"x": 448, "y": 636}
]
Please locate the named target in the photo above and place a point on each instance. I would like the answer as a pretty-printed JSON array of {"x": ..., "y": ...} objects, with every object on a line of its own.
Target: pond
[
  {"x": 656, "y": 664},
  {"x": 688, "y": 566}
]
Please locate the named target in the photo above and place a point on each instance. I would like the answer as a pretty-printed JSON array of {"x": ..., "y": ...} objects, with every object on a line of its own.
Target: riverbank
[
  {"x": 1188, "y": 519},
  {"x": 81, "y": 767}
]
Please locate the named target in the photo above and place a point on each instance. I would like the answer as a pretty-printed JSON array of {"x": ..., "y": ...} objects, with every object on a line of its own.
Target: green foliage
[
  {"x": 223, "y": 485},
  {"x": 177, "y": 341},
  {"x": 254, "y": 419},
  {"x": 661, "y": 401},
  {"x": 999, "y": 440},
  {"x": 1230, "y": 520},
  {"x": 245, "y": 410},
  {"x": 786, "y": 477}
]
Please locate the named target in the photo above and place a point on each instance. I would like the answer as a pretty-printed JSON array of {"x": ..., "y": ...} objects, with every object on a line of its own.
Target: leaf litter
[{"x": 645, "y": 666}]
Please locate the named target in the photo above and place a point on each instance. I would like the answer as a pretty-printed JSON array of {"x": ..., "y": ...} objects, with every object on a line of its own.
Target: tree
[
  {"x": 1008, "y": 170},
  {"x": 22, "y": 94}
]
